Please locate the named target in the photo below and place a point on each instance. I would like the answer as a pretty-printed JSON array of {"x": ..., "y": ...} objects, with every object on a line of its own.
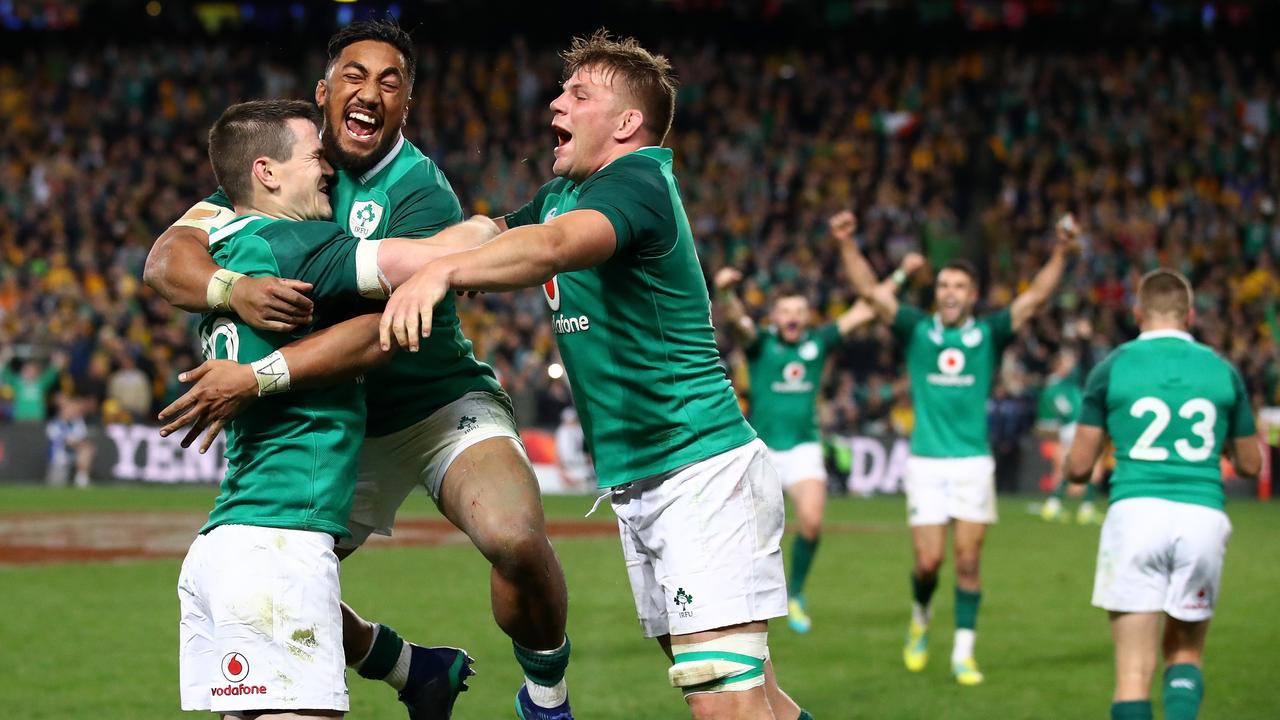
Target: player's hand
[
  {"x": 843, "y": 226},
  {"x": 912, "y": 263},
  {"x": 271, "y": 303},
  {"x": 727, "y": 278},
  {"x": 407, "y": 316},
  {"x": 1067, "y": 231},
  {"x": 223, "y": 389}
]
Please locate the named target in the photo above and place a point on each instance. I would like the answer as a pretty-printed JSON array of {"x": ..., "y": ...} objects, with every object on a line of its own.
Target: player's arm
[
  {"x": 740, "y": 323},
  {"x": 1045, "y": 283},
  {"x": 180, "y": 269},
  {"x": 224, "y": 388},
  {"x": 1246, "y": 455},
  {"x": 883, "y": 300},
  {"x": 864, "y": 312},
  {"x": 525, "y": 256},
  {"x": 400, "y": 258},
  {"x": 1085, "y": 450}
]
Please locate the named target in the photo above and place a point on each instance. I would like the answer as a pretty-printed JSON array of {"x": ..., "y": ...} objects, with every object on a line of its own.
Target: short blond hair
[
  {"x": 646, "y": 76},
  {"x": 1165, "y": 292}
]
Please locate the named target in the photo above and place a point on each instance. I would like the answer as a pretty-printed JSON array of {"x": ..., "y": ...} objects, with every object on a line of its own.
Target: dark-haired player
[
  {"x": 437, "y": 418},
  {"x": 952, "y": 358}
]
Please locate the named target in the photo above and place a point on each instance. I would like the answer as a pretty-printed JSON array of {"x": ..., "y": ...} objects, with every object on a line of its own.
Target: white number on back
[{"x": 1144, "y": 448}]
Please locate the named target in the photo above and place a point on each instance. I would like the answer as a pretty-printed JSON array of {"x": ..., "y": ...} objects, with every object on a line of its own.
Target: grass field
[{"x": 100, "y": 640}]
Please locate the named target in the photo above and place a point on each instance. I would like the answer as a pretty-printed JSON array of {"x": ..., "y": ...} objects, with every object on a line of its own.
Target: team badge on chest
[
  {"x": 951, "y": 361},
  {"x": 551, "y": 290},
  {"x": 364, "y": 219}
]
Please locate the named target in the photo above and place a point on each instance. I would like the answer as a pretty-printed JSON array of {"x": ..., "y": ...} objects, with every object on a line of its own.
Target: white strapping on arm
[
  {"x": 370, "y": 280},
  {"x": 206, "y": 217}
]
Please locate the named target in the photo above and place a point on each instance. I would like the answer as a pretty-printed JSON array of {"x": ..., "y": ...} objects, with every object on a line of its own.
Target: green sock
[
  {"x": 1131, "y": 710},
  {"x": 922, "y": 589},
  {"x": 802, "y": 552},
  {"x": 1183, "y": 691},
  {"x": 804, "y": 715},
  {"x": 544, "y": 667},
  {"x": 967, "y": 609},
  {"x": 1060, "y": 492},
  {"x": 382, "y": 656},
  {"x": 1090, "y": 492}
]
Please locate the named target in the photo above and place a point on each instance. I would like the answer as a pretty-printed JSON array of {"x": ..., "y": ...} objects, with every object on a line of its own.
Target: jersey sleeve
[
  {"x": 752, "y": 349},
  {"x": 219, "y": 198},
  {"x": 1045, "y": 408},
  {"x": 338, "y": 265},
  {"x": 829, "y": 335},
  {"x": 428, "y": 208},
  {"x": 1001, "y": 326},
  {"x": 1093, "y": 409},
  {"x": 905, "y": 321},
  {"x": 633, "y": 195},
  {"x": 1242, "y": 422},
  {"x": 531, "y": 213}
]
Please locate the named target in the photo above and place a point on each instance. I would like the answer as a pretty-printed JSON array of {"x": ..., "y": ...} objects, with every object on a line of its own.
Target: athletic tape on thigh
[{"x": 727, "y": 664}]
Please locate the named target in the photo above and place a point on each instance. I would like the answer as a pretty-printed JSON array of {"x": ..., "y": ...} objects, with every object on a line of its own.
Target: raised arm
[
  {"x": 400, "y": 258},
  {"x": 740, "y": 323},
  {"x": 1045, "y": 283},
  {"x": 224, "y": 388},
  {"x": 180, "y": 270},
  {"x": 525, "y": 256},
  {"x": 883, "y": 300},
  {"x": 1085, "y": 449}
]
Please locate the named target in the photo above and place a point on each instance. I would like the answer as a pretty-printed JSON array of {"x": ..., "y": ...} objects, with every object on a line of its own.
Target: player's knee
[
  {"x": 928, "y": 565},
  {"x": 967, "y": 566},
  {"x": 513, "y": 545},
  {"x": 732, "y": 663}
]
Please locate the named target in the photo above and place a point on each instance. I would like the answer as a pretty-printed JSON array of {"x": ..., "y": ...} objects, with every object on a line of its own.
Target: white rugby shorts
[
  {"x": 260, "y": 628},
  {"x": 1159, "y": 555},
  {"x": 392, "y": 465},
  {"x": 802, "y": 462},
  {"x": 943, "y": 489},
  {"x": 703, "y": 543}
]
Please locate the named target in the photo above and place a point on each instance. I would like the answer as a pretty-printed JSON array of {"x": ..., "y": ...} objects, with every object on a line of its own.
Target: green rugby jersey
[
  {"x": 291, "y": 460},
  {"x": 1059, "y": 403},
  {"x": 951, "y": 370},
  {"x": 1170, "y": 405},
  {"x": 785, "y": 378},
  {"x": 635, "y": 332},
  {"x": 406, "y": 195}
]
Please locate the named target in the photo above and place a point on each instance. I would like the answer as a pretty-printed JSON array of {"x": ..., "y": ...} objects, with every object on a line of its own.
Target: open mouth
[
  {"x": 362, "y": 125},
  {"x": 562, "y": 136}
]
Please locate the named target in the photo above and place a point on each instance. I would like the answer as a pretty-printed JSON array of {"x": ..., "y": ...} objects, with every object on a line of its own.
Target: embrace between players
[{"x": 323, "y": 216}]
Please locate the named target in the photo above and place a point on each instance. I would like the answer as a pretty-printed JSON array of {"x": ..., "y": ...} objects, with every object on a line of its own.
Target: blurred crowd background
[{"x": 1167, "y": 152}]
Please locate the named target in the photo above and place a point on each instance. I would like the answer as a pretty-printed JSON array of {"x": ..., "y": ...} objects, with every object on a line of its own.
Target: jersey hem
[
  {"x": 283, "y": 523},
  {"x": 649, "y": 474}
]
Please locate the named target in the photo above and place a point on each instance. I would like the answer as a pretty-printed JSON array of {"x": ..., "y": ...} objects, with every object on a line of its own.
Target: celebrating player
[
  {"x": 786, "y": 362},
  {"x": 1056, "y": 415},
  {"x": 476, "y": 471},
  {"x": 269, "y": 541},
  {"x": 951, "y": 359},
  {"x": 1171, "y": 407},
  {"x": 699, "y": 507}
]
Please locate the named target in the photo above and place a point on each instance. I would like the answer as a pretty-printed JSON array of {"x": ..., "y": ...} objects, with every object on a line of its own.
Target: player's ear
[
  {"x": 1137, "y": 315},
  {"x": 630, "y": 123},
  {"x": 264, "y": 173},
  {"x": 322, "y": 91}
]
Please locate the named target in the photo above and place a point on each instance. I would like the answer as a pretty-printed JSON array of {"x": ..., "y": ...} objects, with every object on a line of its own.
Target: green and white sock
[
  {"x": 921, "y": 595},
  {"x": 387, "y": 659},
  {"x": 966, "y": 623},
  {"x": 802, "y": 552},
  {"x": 804, "y": 715},
  {"x": 1060, "y": 492},
  {"x": 1183, "y": 691},
  {"x": 1131, "y": 710},
  {"x": 1090, "y": 492},
  {"x": 544, "y": 673}
]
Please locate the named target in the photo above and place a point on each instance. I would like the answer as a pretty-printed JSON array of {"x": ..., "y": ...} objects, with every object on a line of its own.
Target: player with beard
[
  {"x": 952, "y": 357},
  {"x": 786, "y": 362},
  {"x": 437, "y": 418}
]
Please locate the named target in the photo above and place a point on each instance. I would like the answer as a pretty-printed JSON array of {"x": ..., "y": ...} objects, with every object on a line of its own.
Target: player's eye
[
  {"x": 391, "y": 86},
  {"x": 352, "y": 78}
]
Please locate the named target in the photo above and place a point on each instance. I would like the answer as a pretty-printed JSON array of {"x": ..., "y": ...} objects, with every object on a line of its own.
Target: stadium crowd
[{"x": 1167, "y": 159}]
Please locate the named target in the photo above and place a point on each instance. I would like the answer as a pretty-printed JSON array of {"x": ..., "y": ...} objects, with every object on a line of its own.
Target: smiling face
[
  {"x": 590, "y": 120},
  {"x": 304, "y": 179},
  {"x": 365, "y": 97},
  {"x": 790, "y": 315},
  {"x": 956, "y": 294}
]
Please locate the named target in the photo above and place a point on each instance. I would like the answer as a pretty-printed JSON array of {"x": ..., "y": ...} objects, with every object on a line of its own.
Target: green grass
[{"x": 100, "y": 640}]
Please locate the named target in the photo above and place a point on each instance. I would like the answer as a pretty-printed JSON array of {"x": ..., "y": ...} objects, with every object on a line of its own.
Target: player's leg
[
  {"x": 803, "y": 477},
  {"x": 1183, "y": 663},
  {"x": 927, "y": 517},
  {"x": 427, "y": 679},
  {"x": 969, "y": 537},
  {"x": 1136, "y": 636},
  {"x": 491, "y": 493}
]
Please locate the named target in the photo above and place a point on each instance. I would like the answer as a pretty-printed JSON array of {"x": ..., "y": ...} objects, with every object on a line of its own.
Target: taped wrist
[
  {"x": 732, "y": 663},
  {"x": 272, "y": 374},
  {"x": 899, "y": 276},
  {"x": 218, "y": 293}
]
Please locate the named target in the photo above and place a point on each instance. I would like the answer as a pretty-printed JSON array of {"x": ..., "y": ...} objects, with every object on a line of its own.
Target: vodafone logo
[
  {"x": 793, "y": 372},
  {"x": 551, "y": 289},
  {"x": 951, "y": 361},
  {"x": 235, "y": 667}
]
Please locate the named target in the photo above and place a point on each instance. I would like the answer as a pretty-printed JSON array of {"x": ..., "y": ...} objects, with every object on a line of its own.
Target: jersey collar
[
  {"x": 1154, "y": 334},
  {"x": 938, "y": 328},
  {"x": 384, "y": 162}
]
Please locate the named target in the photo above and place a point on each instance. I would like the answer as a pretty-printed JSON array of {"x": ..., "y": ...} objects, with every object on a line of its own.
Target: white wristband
[
  {"x": 272, "y": 374},
  {"x": 218, "y": 294}
]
